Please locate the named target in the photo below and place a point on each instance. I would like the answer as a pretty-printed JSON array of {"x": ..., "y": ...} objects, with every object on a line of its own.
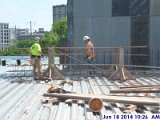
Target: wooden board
[
  {"x": 108, "y": 98},
  {"x": 139, "y": 86},
  {"x": 136, "y": 90}
]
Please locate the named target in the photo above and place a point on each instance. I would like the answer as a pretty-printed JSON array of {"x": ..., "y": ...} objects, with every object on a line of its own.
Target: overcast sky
[{"x": 20, "y": 12}]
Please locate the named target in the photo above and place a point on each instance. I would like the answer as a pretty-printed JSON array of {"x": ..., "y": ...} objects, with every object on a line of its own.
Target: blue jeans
[{"x": 90, "y": 61}]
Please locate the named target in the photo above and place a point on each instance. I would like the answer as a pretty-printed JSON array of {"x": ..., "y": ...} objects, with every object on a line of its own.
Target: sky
[{"x": 19, "y": 13}]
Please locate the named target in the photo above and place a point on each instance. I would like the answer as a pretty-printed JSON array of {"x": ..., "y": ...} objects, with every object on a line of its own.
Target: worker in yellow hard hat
[{"x": 36, "y": 52}]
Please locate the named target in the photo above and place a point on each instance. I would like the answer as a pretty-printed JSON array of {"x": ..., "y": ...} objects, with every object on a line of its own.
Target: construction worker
[
  {"x": 89, "y": 53},
  {"x": 35, "y": 51}
]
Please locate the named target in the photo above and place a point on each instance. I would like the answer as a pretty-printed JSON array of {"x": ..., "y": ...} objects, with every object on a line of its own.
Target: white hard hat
[
  {"x": 37, "y": 39},
  {"x": 86, "y": 38}
]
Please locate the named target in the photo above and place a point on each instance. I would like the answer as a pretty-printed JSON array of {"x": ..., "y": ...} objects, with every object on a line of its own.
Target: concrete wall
[
  {"x": 121, "y": 29},
  {"x": 95, "y": 19},
  {"x": 155, "y": 7},
  {"x": 155, "y": 32},
  {"x": 102, "y": 8},
  {"x": 92, "y": 18},
  {"x": 155, "y": 39}
]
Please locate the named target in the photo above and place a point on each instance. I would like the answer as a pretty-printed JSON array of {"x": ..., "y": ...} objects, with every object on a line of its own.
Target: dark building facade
[
  {"x": 117, "y": 23},
  {"x": 59, "y": 11}
]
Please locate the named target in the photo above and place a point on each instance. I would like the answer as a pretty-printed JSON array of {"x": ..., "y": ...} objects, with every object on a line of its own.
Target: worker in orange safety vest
[{"x": 89, "y": 53}]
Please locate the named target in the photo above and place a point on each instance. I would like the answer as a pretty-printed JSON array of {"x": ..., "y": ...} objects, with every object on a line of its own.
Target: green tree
[
  {"x": 56, "y": 36},
  {"x": 60, "y": 28},
  {"x": 24, "y": 43},
  {"x": 8, "y": 51},
  {"x": 49, "y": 40},
  {"x": 57, "y": 33}
]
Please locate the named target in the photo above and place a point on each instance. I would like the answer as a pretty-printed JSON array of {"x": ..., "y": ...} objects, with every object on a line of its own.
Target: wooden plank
[
  {"x": 19, "y": 71},
  {"x": 108, "y": 98},
  {"x": 21, "y": 76},
  {"x": 115, "y": 55},
  {"x": 135, "y": 90},
  {"x": 121, "y": 56},
  {"x": 23, "y": 65},
  {"x": 137, "y": 86}
]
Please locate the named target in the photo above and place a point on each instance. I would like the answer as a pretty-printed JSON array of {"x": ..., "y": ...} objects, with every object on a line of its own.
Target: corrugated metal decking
[{"x": 24, "y": 101}]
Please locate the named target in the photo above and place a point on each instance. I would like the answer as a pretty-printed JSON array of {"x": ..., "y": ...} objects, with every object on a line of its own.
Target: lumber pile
[
  {"x": 95, "y": 101},
  {"x": 57, "y": 89}
]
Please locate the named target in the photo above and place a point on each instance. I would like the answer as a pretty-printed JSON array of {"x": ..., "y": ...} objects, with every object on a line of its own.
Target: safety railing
[{"x": 70, "y": 61}]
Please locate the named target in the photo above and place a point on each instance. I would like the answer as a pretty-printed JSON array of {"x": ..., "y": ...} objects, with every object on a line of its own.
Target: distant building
[
  {"x": 14, "y": 32},
  {"x": 117, "y": 23},
  {"x": 20, "y": 31},
  {"x": 7, "y": 35},
  {"x": 4, "y": 35},
  {"x": 59, "y": 11},
  {"x": 32, "y": 36},
  {"x": 27, "y": 37},
  {"x": 41, "y": 30}
]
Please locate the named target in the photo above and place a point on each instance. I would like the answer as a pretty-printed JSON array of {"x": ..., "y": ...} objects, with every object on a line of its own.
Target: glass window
[
  {"x": 139, "y": 7},
  {"x": 140, "y": 37},
  {"x": 120, "y": 7},
  {"x": 5, "y": 26}
]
